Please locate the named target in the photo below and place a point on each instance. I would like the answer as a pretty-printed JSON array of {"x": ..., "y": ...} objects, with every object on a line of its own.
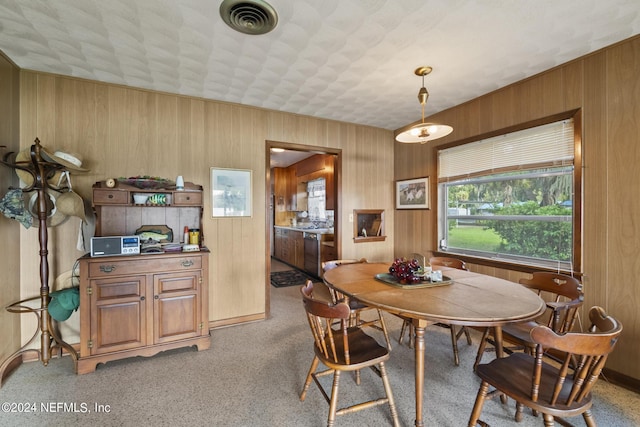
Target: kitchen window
[{"x": 513, "y": 197}]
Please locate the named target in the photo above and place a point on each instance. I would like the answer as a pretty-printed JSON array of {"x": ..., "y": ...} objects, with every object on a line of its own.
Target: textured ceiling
[{"x": 348, "y": 60}]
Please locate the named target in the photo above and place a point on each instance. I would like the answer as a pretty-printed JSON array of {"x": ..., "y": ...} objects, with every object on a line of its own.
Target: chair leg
[
  {"x": 548, "y": 420},
  {"x": 588, "y": 419},
  {"x": 467, "y": 334},
  {"x": 481, "y": 347},
  {"x": 405, "y": 326},
  {"x": 384, "y": 329},
  {"x": 387, "y": 389},
  {"x": 477, "y": 407},
  {"x": 518, "y": 416},
  {"x": 454, "y": 344},
  {"x": 455, "y": 336},
  {"x": 307, "y": 383},
  {"x": 333, "y": 406}
]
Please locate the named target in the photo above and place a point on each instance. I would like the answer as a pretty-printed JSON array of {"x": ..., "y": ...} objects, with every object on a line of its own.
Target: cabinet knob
[
  {"x": 187, "y": 263},
  {"x": 107, "y": 268},
  {"x": 156, "y": 297},
  {"x": 110, "y": 196},
  {"x": 142, "y": 298}
]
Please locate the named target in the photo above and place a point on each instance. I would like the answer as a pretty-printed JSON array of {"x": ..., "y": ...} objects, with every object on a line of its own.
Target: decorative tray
[
  {"x": 390, "y": 280},
  {"x": 147, "y": 183}
]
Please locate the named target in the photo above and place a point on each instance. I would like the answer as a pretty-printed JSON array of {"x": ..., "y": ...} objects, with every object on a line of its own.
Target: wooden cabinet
[
  {"x": 328, "y": 250},
  {"x": 118, "y": 215},
  {"x": 297, "y": 246},
  {"x": 289, "y": 246},
  {"x": 314, "y": 167},
  {"x": 281, "y": 244},
  {"x": 292, "y": 189},
  {"x": 139, "y": 305}
]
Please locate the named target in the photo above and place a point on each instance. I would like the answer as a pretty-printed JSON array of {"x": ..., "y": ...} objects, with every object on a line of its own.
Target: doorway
[{"x": 294, "y": 153}]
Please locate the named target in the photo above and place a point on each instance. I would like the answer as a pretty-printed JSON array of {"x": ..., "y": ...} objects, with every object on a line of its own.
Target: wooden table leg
[{"x": 419, "y": 327}]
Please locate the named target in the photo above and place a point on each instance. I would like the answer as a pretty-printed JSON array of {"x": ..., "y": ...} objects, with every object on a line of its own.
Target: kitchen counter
[{"x": 306, "y": 230}]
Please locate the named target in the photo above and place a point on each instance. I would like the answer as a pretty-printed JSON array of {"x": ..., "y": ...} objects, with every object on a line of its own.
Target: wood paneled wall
[
  {"x": 9, "y": 229},
  {"x": 606, "y": 87},
  {"x": 121, "y": 131}
]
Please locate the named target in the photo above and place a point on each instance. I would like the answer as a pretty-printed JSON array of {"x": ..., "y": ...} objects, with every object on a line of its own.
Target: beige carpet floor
[{"x": 252, "y": 375}]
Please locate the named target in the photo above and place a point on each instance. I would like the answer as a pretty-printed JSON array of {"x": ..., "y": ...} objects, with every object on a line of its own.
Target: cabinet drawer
[
  {"x": 187, "y": 198},
  {"x": 106, "y": 268},
  {"x": 110, "y": 197},
  {"x": 109, "y": 289}
]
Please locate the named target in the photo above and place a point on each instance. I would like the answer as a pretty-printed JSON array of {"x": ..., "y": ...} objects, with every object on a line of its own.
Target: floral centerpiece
[{"x": 405, "y": 270}]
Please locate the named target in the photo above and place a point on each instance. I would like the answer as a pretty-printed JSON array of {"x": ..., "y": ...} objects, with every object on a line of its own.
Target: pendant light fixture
[{"x": 423, "y": 132}]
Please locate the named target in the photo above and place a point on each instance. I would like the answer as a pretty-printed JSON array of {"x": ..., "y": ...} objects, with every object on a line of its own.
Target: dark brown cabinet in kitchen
[{"x": 289, "y": 246}]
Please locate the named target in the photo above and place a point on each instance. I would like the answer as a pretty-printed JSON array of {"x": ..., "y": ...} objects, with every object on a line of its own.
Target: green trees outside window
[{"x": 525, "y": 216}]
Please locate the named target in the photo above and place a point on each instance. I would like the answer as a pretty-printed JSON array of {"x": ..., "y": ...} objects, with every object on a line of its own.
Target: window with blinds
[{"x": 510, "y": 197}]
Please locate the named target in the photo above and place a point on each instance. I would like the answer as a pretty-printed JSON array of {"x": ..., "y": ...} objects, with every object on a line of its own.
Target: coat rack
[{"x": 41, "y": 171}]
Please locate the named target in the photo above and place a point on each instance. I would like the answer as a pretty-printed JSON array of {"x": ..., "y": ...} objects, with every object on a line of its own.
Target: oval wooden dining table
[{"x": 469, "y": 298}]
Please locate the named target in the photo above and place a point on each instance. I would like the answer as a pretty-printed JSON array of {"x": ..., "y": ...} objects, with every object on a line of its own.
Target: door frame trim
[{"x": 337, "y": 172}]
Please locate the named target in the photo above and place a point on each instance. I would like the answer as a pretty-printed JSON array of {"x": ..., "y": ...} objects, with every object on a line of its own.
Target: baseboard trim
[
  {"x": 622, "y": 380},
  {"x": 236, "y": 321}
]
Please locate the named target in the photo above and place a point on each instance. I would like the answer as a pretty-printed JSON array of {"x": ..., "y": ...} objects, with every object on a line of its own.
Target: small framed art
[
  {"x": 230, "y": 192},
  {"x": 412, "y": 193}
]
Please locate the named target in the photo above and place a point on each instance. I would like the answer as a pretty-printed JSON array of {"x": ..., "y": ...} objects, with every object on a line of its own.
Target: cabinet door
[
  {"x": 298, "y": 243},
  {"x": 176, "y": 306},
  {"x": 330, "y": 183},
  {"x": 118, "y": 314},
  {"x": 292, "y": 188}
]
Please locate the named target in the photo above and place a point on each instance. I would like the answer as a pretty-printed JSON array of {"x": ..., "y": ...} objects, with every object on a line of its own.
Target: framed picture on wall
[
  {"x": 230, "y": 192},
  {"x": 412, "y": 193}
]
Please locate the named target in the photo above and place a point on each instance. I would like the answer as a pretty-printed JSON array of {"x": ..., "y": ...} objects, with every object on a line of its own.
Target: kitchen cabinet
[
  {"x": 314, "y": 167},
  {"x": 139, "y": 305},
  {"x": 281, "y": 244},
  {"x": 289, "y": 246},
  {"x": 292, "y": 189},
  {"x": 328, "y": 250},
  {"x": 301, "y": 195},
  {"x": 310, "y": 165}
]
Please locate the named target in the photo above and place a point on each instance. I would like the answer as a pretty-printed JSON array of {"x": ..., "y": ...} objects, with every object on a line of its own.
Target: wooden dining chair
[
  {"x": 564, "y": 297},
  {"x": 559, "y": 389},
  {"x": 455, "y": 334},
  {"x": 341, "y": 348},
  {"x": 357, "y": 307}
]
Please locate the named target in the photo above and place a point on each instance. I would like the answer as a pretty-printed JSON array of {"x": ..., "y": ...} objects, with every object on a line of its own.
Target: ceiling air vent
[{"x": 249, "y": 17}]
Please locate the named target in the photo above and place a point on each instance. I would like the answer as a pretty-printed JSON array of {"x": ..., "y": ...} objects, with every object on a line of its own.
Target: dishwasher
[{"x": 312, "y": 253}]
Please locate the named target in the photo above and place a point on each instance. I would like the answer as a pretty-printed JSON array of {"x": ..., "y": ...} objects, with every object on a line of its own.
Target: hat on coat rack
[
  {"x": 69, "y": 160},
  {"x": 54, "y": 215},
  {"x": 24, "y": 157},
  {"x": 12, "y": 206},
  {"x": 70, "y": 202}
]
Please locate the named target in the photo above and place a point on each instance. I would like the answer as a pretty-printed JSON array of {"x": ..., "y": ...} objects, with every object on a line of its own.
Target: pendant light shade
[{"x": 423, "y": 132}]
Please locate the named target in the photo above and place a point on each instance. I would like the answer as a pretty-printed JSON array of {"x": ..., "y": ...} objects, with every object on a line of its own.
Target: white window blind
[{"x": 546, "y": 145}]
